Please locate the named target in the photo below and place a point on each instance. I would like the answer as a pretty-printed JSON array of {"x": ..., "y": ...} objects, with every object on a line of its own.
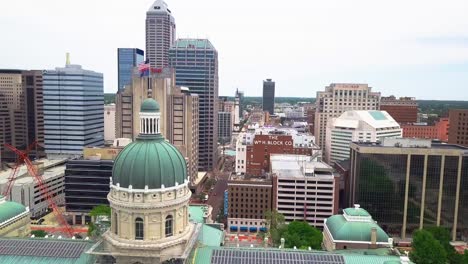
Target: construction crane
[
  {"x": 14, "y": 171},
  {"x": 64, "y": 226}
]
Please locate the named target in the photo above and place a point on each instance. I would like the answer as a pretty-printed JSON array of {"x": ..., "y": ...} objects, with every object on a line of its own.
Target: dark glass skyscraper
[
  {"x": 409, "y": 184},
  {"x": 196, "y": 65},
  {"x": 269, "y": 96},
  {"x": 127, "y": 58}
]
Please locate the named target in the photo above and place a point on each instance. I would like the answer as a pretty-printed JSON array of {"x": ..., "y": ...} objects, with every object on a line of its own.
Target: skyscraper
[
  {"x": 339, "y": 98},
  {"x": 196, "y": 65},
  {"x": 73, "y": 110},
  {"x": 127, "y": 58},
  {"x": 21, "y": 107},
  {"x": 160, "y": 34},
  {"x": 458, "y": 130},
  {"x": 269, "y": 96}
]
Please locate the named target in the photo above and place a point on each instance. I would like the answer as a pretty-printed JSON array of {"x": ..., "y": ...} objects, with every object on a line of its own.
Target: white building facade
[
  {"x": 306, "y": 190},
  {"x": 358, "y": 126},
  {"x": 109, "y": 122},
  {"x": 339, "y": 98}
]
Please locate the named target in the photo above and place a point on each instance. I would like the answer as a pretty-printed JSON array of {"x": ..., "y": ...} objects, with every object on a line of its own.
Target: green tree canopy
[
  {"x": 100, "y": 210},
  {"x": 301, "y": 235},
  {"x": 39, "y": 233},
  {"x": 275, "y": 225},
  {"x": 426, "y": 249}
]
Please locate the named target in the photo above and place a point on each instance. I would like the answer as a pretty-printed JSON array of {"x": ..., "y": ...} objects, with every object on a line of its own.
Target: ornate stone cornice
[{"x": 148, "y": 206}]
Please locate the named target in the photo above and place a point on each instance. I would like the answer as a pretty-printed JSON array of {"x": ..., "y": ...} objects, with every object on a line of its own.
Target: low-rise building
[
  {"x": 403, "y": 109},
  {"x": 359, "y": 126},
  {"x": 249, "y": 199},
  {"x": 14, "y": 219},
  {"x": 255, "y": 147},
  {"x": 26, "y": 191},
  {"x": 438, "y": 131},
  {"x": 304, "y": 189},
  {"x": 354, "y": 229},
  {"x": 109, "y": 122}
]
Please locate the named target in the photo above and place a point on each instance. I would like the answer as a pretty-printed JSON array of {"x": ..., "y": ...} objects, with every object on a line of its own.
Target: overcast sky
[{"x": 403, "y": 47}]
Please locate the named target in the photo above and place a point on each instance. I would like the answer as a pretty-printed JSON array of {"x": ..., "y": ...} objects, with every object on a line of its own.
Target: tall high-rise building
[
  {"x": 73, "y": 110},
  {"x": 360, "y": 126},
  {"x": 160, "y": 34},
  {"x": 127, "y": 59},
  {"x": 403, "y": 110},
  {"x": 458, "y": 131},
  {"x": 269, "y": 96},
  {"x": 21, "y": 111},
  {"x": 241, "y": 103},
  {"x": 339, "y": 98},
  {"x": 196, "y": 65},
  {"x": 179, "y": 121},
  {"x": 409, "y": 184},
  {"x": 224, "y": 127}
]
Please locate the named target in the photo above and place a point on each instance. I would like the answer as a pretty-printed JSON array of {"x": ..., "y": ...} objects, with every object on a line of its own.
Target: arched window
[
  {"x": 139, "y": 231},
  {"x": 169, "y": 224},
  {"x": 116, "y": 224}
]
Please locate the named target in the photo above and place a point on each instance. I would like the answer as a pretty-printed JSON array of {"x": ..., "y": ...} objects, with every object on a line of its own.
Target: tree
[
  {"x": 442, "y": 235},
  {"x": 100, "y": 210},
  {"x": 39, "y": 233},
  {"x": 275, "y": 225},
  {"x": 301, "y": 235},
  {"x": 426, "y": 249}
]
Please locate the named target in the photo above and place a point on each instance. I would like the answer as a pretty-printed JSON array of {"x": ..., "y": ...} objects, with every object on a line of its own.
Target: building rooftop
[
  {"x": 38, "y": 250},
  {"x": 242, "y": 177},
  {"x": 52, "y": 168},
  {"x": 216, "y": 255},
  {"x": 193, "y": 44},
  {"x": 290, "y": 165},
  {"x": 9, "y": 210},
  {"x": 410, "y": 143},
  {"x": 375, "y": 119}
]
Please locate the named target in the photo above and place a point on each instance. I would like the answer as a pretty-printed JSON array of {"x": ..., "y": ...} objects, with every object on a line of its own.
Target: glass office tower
[
  {"x": 127, "y": 58},
  {"x": 408, "y": 186}
]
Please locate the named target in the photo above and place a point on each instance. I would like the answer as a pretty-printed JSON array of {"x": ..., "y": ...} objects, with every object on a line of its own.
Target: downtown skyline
[{"x": 402, "y": 51}]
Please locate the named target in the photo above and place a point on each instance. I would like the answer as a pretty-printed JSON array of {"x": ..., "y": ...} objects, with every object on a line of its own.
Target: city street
[{"x": 216, "y": 196}]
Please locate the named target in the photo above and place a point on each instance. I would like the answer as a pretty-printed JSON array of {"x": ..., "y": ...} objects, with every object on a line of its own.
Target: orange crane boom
[
  {"x": 12, "y": 177},
  {"x": 43, "y": 189}
]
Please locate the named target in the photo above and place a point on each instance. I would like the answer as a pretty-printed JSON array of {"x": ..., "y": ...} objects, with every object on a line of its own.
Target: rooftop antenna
[{"x": 67, "y": 62}]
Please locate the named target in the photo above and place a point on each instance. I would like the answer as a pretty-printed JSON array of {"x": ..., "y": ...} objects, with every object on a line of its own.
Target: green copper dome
[
  {"x": 9, "y": 209},
  {"x": 149, "y": 105},
  {"x": 342, "y": 229},
  {"x": 149, "y": 161}
]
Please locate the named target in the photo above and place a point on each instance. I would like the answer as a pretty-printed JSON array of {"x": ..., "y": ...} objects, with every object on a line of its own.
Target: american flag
[{"x": 143, "y": 67}]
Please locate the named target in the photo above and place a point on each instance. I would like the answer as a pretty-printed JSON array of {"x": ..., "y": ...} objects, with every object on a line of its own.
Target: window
[
  {"x": 169, "y": 221},
  {"x": 116, "y": 221},
  {"x": 139, "y": 232}
]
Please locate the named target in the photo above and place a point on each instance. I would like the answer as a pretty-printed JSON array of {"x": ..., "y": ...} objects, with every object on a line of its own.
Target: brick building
[
  {"x": 249, "y": 199},
  {"x": 403, "y": 110},
  {"x": 438, "y": 131},
  {"x": 458, "y": 131}
]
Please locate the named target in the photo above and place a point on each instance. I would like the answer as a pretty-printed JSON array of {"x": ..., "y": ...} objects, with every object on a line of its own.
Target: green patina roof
[
  {"x": 341, "y": 229},
  {"x": 196, "y": 213},
  {"x": 356, "y": 212},
  {"x": 149, "y": 161},
  {"x": 210, "y": 236},
  {"x": 149, "y": 105},
  {"x": 9, "y": 209}
]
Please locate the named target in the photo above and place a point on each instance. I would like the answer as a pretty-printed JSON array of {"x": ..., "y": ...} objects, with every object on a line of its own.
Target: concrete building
[
  {"x": 237, "y": 112},
  {"x": 438, "y": 131},
  {"x": 403, "y": 110},
  {"x": 304, "y": 189},
  {"x": 409, "y": 184},
  {"x": 26, "y": 190},
  {"x": 73, "y": 110},
  {"x": 14, "y": 219},
  {"x": 458, "y": 131},
  {"x": 87, "y": 182},
  {"x": 196, "y": 64},
  {"x": 149, "y": 198},
  {"x": 337, "y": 99},
  {"x": 268, "y": 99},
  {"x": 160, "y": 34},
  {"x": 249, "y": 199},
  {"x": 255, "y": 147},
  {"x": 361, "y": 126},
  {"x": 21, "y": 112},
  {"x": 224, "y": 127},
  {"x": 127, "y": 59},
  {"x": 354, "y": 229},
  {"x": 179, "y": 112},
  {"x": 184, "y": 126},
  {"x": 109, "y": 122}
]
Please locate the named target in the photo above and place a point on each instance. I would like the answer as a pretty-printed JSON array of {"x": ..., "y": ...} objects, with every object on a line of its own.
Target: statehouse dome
[{"x": 149, "y": 105}]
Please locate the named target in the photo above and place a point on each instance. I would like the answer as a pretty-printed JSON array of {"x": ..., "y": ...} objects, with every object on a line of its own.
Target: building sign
[
  {"x": 226, "y": 202},
  {"x": 273, "y": 141}
]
